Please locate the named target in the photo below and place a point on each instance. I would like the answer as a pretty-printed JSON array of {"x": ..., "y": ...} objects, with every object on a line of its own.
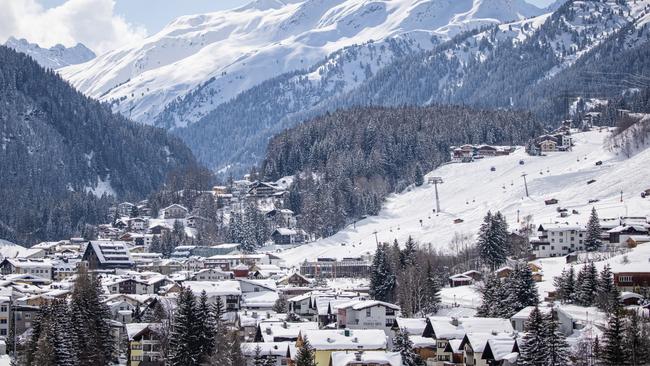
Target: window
[
  {"x": 3, "y": 308},
  {"x": 3, "y": 321},
  {"x": 368, "y": 312},
  {"x": 3, "y": 332},
  {"x": 625, "y": 279}
]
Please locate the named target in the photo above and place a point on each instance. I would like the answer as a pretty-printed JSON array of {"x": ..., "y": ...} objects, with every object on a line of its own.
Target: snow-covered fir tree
[
  {"x": 492, "y": 240},
  {"x": 281, "y": 305},
  {"x": 403, "y": 344},
  {"x": 556, "y": 349},
  {"x": 419, "y": 176},
  {"x": 382, "y": 278},
  {"x": 521, "y": 288},
  {"x": 258, "y": 359},
  {"x": 90, "y": 321},
  {"x": 608, "y": 297},
  {"x": 613, "y": 351},
  {"x": 636, "y": 339},
  {"x": 592, "y": 240},
  {"x": 565, "y": 285},
  {"x": 432, "y": 291},
  {"x": 532, "y": 347},
  {"x": 586, "y": 285},
  {"x": 185, "y": 347},
  {"x": 306, "y": 355},
  {"x": 207, "y": 327}
]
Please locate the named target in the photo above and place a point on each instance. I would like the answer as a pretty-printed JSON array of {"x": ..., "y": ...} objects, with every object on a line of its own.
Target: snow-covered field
[{"x": 470, "y": 190}]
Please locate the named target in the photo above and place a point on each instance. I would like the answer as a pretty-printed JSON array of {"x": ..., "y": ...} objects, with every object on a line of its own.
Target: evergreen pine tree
[
  {"x": 521, "y": 288},
  {"x": 592, "y": 240},
  {"x": 281, "y": 305},
  {"x": 205, "y": 319},
  {"x": 636, "y": 342},
  {"x": 586, "y": 285},
  {"x": 382, "y": 279},
  {"x": 532, "y": 350},
  {"x": 235, "y": 355},
  {"x": 306, "y": 355},
  {"x": 89, "y": 321},
  {"x": 44, "y": 353},
  {"x": 432, "y": 291},
  {"x": 608, "y": 297},
  {"x": 613, "y": 352},
  {"x": 403, "y": 344},
  {"x": 492, "y": 240},
  {"x": 419, "y": 176},
  {"x": 556, "y": 351},
  {"x": 258, "y": 359},
  {"x": 185, "y": 348},
  {"x": 407, "y": 256}
]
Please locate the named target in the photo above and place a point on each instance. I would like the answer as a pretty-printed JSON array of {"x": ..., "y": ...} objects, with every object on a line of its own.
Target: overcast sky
[{"x": 102, "y": 24}]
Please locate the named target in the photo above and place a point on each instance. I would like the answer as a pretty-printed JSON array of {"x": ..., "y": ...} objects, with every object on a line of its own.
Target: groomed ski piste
[{"x": 471, "y": 189}]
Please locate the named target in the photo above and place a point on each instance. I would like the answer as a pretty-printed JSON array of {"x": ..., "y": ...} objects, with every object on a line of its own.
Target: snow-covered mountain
[
  {"x": 55, "y": 57},
  {"x": 471, "y": 189},
  {"x": 227, "y": 52}
]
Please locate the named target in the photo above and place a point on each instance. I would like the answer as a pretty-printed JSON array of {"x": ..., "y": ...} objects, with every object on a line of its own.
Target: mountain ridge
[{"x": 55, "y": 57}]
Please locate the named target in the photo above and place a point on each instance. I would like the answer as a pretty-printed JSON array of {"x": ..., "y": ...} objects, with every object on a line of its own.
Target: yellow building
[
  {"x": 327, "y": 341},
  {"x": 144, "y": 344}
]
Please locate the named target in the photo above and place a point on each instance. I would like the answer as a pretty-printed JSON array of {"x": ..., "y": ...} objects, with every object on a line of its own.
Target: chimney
[
  {"x": 358, "y": 356},
  {"x": 454, "y": 321}
]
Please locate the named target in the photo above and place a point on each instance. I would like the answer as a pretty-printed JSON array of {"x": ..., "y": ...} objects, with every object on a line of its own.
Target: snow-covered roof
[
  {"x": 422, "y": 342},
  {"x": 478, "y": 341},
  {"x": 29, "y": 263},
  {"x": 212, "y": 288},
  {"x": 345, "y": 358},
  {"x": 113, "y": 252},
  {"x": 364, "y": 304},
  {"x": 279, "y": 349},
  {"x": 524, "y": 313},
  {"x": 272, "y": 330},
  {"x": 413, "y": 326},
  {"x": 583, "y": 314},
  {"x": 285, "y": 232},
  {"x": 134, "y": 329},
  {"x": 622, "y": 228},
  {"x": 336, "y": 339},
  {"x": 262, "y": 299}
]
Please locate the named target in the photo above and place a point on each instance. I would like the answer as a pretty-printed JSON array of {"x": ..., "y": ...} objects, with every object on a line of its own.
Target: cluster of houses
[
  {"x": 561, "y": 239},
  {"x": 468, "y": 153},
  {"x": 133, "y": 222},
  {"x": 342, "y": 322},
  {"x": 558, "y": 140}
]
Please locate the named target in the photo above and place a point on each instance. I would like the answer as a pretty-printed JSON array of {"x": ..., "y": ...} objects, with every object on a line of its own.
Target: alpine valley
[{"x": 282, "y": 62}]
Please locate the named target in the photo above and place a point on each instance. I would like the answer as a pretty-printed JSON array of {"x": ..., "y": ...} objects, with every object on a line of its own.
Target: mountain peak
[{"x": 55, "y": 57}]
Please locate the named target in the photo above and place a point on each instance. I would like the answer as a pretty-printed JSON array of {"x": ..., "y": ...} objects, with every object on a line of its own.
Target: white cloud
[{"x": 91, "y": 22}]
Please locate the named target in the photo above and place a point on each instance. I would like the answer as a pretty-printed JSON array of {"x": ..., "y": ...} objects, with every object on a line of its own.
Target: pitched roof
[{"x": 336, "y": 339}]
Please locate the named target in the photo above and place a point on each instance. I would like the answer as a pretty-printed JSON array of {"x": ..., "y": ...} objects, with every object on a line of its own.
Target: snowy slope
[
  {"x": 55, "y": 57},
  {"x": 237, "y": 49},
  {"x": 470, "y": 190}
]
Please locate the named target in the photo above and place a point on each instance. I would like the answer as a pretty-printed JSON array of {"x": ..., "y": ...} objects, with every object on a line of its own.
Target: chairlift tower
[{"x": 435, "y": 181}]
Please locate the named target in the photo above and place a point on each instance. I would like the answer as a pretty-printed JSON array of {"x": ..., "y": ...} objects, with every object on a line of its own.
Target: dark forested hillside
[
  {"x": 346, "y": 162},
  {"x": 60, "y": 151}
]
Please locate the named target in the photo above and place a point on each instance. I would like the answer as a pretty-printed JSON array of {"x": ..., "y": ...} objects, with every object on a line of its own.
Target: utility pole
[
  {"x": 525, "y": 183},
  {"x": 376, "y": 240},
  {"x": 621, "y": 195},
  {"x": 436, "y": 181}
]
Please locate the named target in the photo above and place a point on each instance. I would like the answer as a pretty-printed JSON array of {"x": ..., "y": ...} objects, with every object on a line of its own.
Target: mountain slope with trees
[
  {"x": 64, "y": 157},
  {"x": 346, "y": 162}
]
